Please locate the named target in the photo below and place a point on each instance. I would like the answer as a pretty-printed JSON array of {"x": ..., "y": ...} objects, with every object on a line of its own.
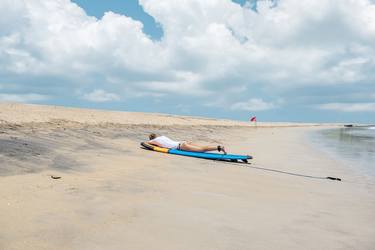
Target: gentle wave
[{"x": 355, "y": 146}]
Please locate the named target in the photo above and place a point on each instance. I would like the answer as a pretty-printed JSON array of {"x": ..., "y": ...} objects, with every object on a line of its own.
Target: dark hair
[{"x": 152, "y": 136}]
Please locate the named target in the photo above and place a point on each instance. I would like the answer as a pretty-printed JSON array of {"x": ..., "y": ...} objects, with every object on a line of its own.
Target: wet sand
[{"x": 114, "y": 195}]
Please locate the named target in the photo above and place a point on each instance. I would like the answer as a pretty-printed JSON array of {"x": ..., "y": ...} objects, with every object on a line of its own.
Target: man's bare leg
[{"x": 195, "y": 148}]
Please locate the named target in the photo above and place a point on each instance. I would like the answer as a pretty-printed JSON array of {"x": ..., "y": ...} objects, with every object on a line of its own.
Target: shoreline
[
  {"x": 344, "y": 153},
  {"x": 113, "y": 194}
]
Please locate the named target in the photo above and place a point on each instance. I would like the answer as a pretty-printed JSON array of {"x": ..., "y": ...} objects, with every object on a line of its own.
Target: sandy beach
[{"x": 114, "y": 195}]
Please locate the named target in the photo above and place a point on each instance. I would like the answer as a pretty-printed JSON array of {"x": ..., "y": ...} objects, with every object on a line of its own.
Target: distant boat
[{"x": 359, "y": 126}]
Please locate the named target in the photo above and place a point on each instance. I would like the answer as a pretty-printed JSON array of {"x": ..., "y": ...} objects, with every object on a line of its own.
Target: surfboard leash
[{"x": 285, "y": 172}]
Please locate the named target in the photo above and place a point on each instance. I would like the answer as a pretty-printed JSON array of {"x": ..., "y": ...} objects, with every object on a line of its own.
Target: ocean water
[{"x": 354, "y": 146}]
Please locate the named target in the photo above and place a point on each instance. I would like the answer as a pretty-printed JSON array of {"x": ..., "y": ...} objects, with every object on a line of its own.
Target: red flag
[{"x": 253, "y": 119}]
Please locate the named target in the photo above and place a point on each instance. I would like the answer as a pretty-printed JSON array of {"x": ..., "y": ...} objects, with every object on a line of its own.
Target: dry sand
[{"x": 114, "y": 195}]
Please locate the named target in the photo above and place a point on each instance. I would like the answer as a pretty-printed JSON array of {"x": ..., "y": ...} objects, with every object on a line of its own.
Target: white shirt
[{"x": 165, "y": 142}]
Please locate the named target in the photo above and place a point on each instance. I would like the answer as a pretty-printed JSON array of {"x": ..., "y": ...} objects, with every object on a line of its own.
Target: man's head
[{"x": 152, "y": 136}]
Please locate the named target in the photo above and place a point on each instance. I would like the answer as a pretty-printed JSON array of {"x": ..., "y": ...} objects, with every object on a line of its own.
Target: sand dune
[
  {"x": 27, "y": 113},
  {"x": 114, "y": 195}
]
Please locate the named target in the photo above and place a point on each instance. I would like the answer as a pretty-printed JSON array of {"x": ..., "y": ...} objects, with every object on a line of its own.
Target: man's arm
[{"x": 155, "y": 143}]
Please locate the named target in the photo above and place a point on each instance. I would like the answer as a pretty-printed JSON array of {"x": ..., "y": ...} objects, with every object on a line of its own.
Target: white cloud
[
  {"x": 349, "y": 107},
  {"x": 22, "y": 97},
  {"x": 207, "y": 46},
  {"x": 254, "y": 104},
  {"x": 99, "y": 95}
]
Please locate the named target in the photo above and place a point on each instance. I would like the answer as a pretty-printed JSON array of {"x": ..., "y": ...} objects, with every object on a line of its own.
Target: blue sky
[
  {"x": 130, "y": 8},
  {"x": 280, "y": 60}
]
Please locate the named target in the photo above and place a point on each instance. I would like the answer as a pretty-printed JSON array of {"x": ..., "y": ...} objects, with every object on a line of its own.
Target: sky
[{"x": 279, "y": 60}]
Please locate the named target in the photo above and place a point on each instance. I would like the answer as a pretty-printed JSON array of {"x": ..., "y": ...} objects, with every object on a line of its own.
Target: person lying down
[{"x": 165, "y": 142}]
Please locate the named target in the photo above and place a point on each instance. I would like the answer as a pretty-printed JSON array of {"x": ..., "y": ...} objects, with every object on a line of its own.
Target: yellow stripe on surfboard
[
  {"x": 155, "y": 148},
  {"x": 162, "y": 150}
]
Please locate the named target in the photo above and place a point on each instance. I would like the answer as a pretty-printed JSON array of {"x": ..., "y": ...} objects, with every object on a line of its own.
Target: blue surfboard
[{"x": 212, "y": 156}]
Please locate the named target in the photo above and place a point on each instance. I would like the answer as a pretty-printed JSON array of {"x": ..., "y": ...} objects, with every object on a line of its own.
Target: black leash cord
[
  {"x": 295, "y": 174},
  {"x": 285, "y": 172}
]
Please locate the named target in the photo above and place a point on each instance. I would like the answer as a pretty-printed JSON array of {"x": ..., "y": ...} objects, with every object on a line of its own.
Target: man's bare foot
[{"x": 221, "y": 148}]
